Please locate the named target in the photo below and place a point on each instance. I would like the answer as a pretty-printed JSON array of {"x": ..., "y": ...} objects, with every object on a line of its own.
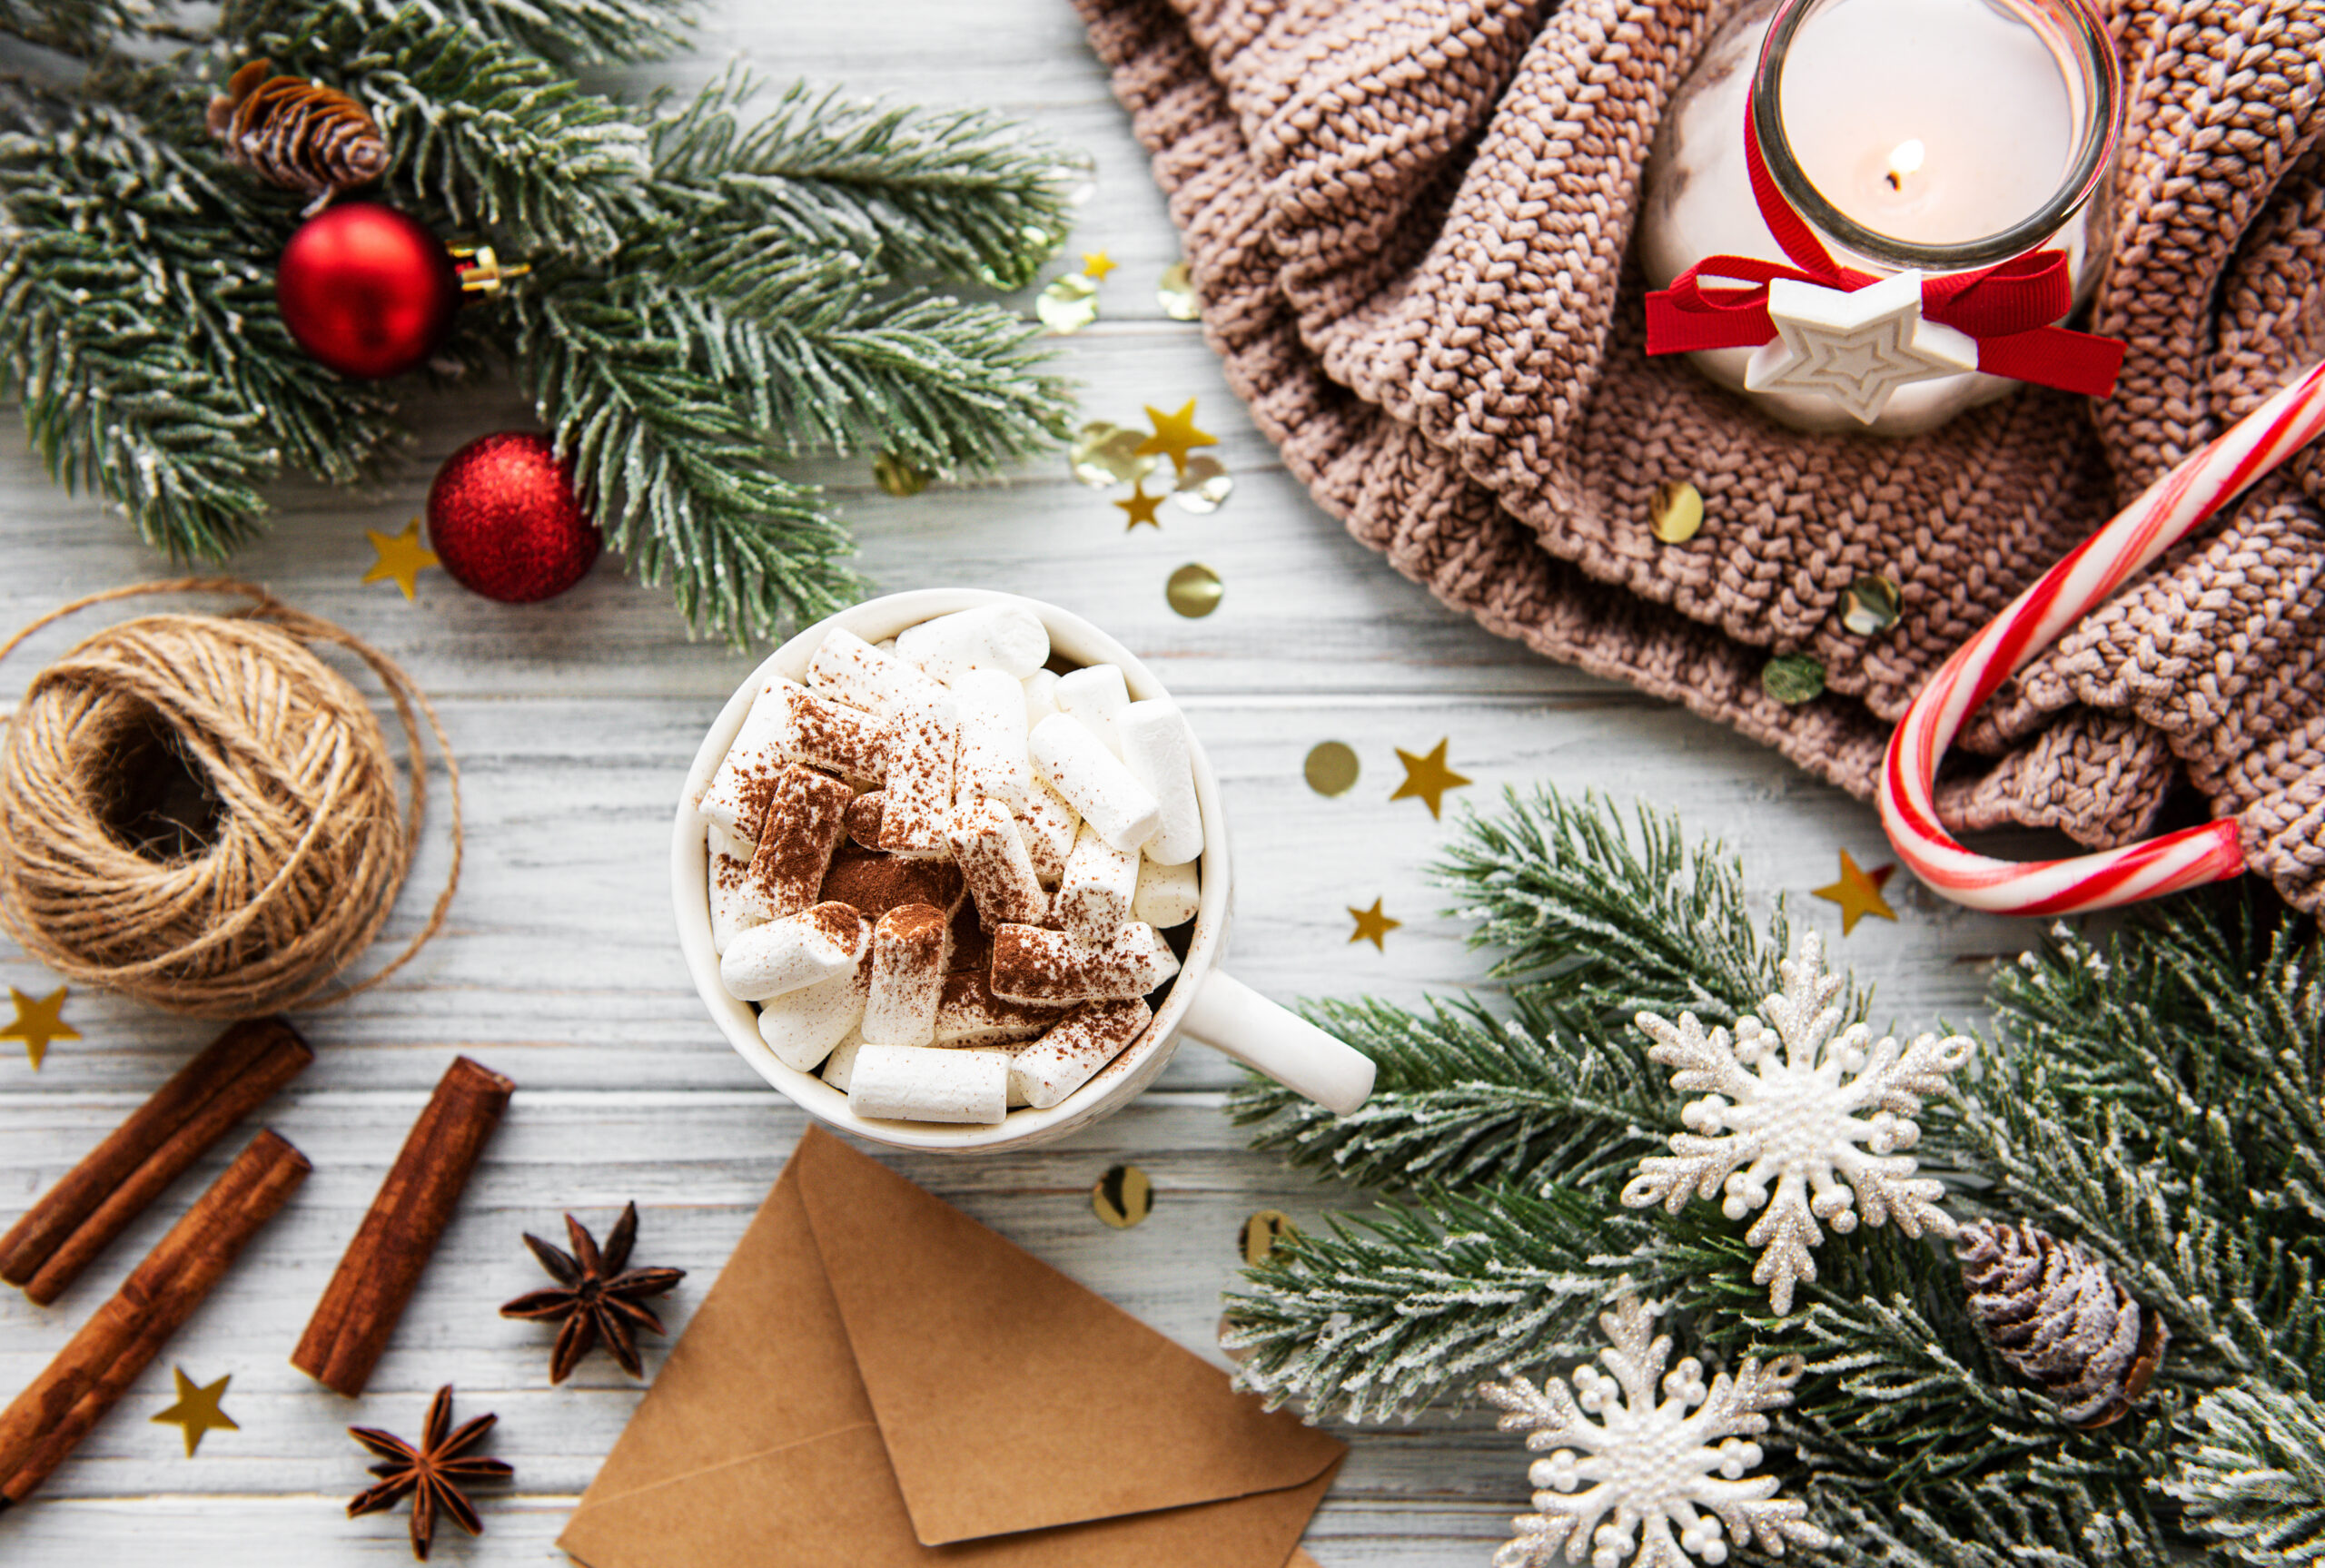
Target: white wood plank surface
[{"x": 575, "y": 722}]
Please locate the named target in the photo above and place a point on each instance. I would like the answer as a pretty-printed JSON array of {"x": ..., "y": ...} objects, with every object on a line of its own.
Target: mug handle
[{"x": 1229, "y": 1016}]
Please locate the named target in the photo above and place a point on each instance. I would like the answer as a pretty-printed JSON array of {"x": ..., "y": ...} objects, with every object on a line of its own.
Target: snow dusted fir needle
[
  {"x": 1788, "y": 1105},
  {"x": 1650, "y": 1484}
]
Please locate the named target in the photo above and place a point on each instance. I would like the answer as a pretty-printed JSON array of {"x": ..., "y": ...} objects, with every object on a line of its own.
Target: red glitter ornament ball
[
  {"x": 503, "y": 520},
  {"x": 366, "y": 290}
]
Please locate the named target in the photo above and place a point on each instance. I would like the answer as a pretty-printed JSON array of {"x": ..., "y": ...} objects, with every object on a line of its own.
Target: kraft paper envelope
[{"x": 878, "y": 1381}]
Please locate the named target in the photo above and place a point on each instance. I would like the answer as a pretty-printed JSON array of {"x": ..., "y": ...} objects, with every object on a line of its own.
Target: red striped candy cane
[{"x": 2172, "y": 510}]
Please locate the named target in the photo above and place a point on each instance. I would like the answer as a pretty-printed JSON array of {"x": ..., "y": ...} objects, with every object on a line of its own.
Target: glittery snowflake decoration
[
  {"x": 1665, "y": 1479},
  {"x": 1825, "y": 1118}
]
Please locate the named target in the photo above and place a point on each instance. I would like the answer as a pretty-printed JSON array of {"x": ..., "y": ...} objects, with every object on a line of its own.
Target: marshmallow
[
  {"x": 971, "y": 1015},
  {"x": 994, "y": 863},
  {"x": 1094, "y": 898},
  {"x": 992, "y": 763},
  {"x": 806, "y": 814},
  {"x": 875, "y": 883},
  {"x": 1159, "y": 754},
  {"x": 795, "y": 952},
  {"x": 787, "y": 723},
  {"x": 840, "y": 1067},
  {"x": 864, "y": 818},
  {"x": 910, "y": 948},
  {"x": 1049, "y": 825},
  {"x": 737, "y": 902},
  {"x": 848, "y": 669},
  {"x": 1069, "y": 1055},
  {"x": 1167, "y": 896},
  {"x": 1041, "y": 696},
  {"x": 1094, "y": 695},
  {"x": 913, "y": 1083},
  {"x": 997, "y": 637},
  {"x": 924, "y": 738},
  {"x": 1123, "y": 811},
  {"x": 802, "y": 1026},
  {"x": 1030, "y": 964}
]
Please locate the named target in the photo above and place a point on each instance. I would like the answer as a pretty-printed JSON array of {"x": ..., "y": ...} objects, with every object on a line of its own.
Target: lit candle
[{"x": 1922, "y": 126}]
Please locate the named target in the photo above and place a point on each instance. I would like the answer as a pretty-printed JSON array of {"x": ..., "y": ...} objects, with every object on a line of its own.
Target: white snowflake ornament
[
  {"x": 1666, "y": 1481},
  {"x": 1823, "y": 1118}
]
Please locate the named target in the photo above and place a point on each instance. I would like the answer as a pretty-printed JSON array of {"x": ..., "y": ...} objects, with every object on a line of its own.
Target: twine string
[{"x": 311, "y": 844}]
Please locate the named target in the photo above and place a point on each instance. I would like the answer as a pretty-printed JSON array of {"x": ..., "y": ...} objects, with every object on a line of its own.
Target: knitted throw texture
[{"x": 1410, "y": 224}]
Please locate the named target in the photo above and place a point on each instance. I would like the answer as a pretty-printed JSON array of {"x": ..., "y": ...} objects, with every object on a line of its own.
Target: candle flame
[{"x": 1903, "y": 160}]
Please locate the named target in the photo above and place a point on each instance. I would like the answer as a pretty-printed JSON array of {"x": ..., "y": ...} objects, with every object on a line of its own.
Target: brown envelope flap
[
  {"x": 1011, "y": 1398},
  {"x": 831, "y": 1503},
  {"x": 763, "y": 1363}
]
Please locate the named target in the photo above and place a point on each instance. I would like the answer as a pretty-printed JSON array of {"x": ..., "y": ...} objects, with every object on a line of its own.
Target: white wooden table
[{"x": 574, "y": 723}]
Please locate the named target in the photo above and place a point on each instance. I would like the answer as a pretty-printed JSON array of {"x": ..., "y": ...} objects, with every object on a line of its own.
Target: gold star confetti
[
  {"x": 36, "y": 1022},
  {"x": 1330, "y": 768},
  {"x": 1068, "y": 304},
  {"x": 1427, "y": 778},
  {"x": 1371, "y": 925},
  {"x": 1096, "y": 265},
  {"x": 1195, "y": 591},
  {"x": 1174, "y": 435},
  {"x": 1858, "y": 893},
  {"x": 1122, "y": 1196},
  {"x": 197, "y": 1409},
  {"x": 1141, "y": 509},
  {"x": 1176, "y": 293},
  {"x": 402, "y": 558}
]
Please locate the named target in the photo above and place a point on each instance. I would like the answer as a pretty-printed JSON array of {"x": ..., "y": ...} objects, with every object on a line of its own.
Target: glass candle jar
[{"x": 1940, "y": 136}]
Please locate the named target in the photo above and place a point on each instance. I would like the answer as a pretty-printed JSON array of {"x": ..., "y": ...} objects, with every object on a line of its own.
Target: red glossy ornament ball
[
  {"x": 502, "y": 518},
  {"x": 366, "y": 290}
]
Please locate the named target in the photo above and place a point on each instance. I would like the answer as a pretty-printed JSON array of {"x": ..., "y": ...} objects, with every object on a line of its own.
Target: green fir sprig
[
  {"x": 2156, "y": 1097},
  {"x": 719, "y": 287}
]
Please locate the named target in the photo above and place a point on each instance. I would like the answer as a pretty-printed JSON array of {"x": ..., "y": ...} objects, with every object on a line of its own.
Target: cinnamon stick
[
  {"x": 78, "y": 1218},
  {"x": 97, "y": 1365},
  {"x": 354, "y": 1320}
]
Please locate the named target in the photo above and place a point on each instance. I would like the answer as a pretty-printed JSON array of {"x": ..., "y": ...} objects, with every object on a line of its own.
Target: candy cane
[{"x": 2172, "y": 510}]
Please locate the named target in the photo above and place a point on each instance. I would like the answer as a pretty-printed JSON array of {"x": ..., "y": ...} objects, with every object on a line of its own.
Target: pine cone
[
  {"x": 292, "y": 132},
  {"x": 2060, "y": 1319}
]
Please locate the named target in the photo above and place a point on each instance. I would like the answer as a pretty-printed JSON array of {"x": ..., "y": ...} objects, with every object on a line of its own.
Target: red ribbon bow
[{"x": 2008, "y": 307}]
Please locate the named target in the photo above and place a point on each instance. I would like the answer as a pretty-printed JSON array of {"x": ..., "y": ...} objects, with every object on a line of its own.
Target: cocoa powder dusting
[
  {"x": 806, "y": 813},
  {"x": 839, "y": 924},
  {"x": 864, "y": 818},
  {"x": 833, "y": 735},
  {"x": 914, "y": 923},
  {"x": 875, "y": 882}
]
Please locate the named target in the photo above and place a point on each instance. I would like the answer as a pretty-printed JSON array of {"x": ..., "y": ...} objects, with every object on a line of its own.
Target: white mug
[{"x": 1204, "y": 1002}]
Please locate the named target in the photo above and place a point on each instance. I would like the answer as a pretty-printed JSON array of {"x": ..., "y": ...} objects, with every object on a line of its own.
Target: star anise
[
  {"x": 431, "y": 1474},
  {"x": 596, "y": 1296}
]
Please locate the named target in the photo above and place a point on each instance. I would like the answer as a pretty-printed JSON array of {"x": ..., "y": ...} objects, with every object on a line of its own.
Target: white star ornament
[{"x": 1856, "y": 347}]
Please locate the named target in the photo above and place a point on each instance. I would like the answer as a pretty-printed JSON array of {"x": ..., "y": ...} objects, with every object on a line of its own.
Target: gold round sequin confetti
[
  {"x": 1122, "y": 1196},
  {"x": 1203, "y": 487},
  {"x": 1194, "y": 591},
  {"x": 1677, "y": 512},
  {"x": 899, "y": 476},
  {"x": 1176, "y": 293},
  {"x": 1870, "y": 606},
  {"x": 1332, "y": 768},
  {"x": 1262, "y": 1232},
  {"x": 1068, "y": 304},
  {"x": 1793, "y": 679},
  {"x": 1105, "y": 454}
]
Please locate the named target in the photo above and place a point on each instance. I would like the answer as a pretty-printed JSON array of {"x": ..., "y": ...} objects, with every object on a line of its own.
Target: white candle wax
[{"x": 1934, "y": 121}]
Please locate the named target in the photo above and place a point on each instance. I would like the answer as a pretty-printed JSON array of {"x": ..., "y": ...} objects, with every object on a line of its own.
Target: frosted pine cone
[
  {"x": 292, "y": 132},
  {"x": 2060, "y": 1319}
]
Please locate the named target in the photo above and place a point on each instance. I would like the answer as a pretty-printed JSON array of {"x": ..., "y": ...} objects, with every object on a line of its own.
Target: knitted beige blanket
[{"x": 1409, "y": 222}]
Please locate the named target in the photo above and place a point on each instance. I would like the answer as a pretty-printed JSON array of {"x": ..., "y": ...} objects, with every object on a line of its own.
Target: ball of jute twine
[{"x": 304, "y": 842}]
